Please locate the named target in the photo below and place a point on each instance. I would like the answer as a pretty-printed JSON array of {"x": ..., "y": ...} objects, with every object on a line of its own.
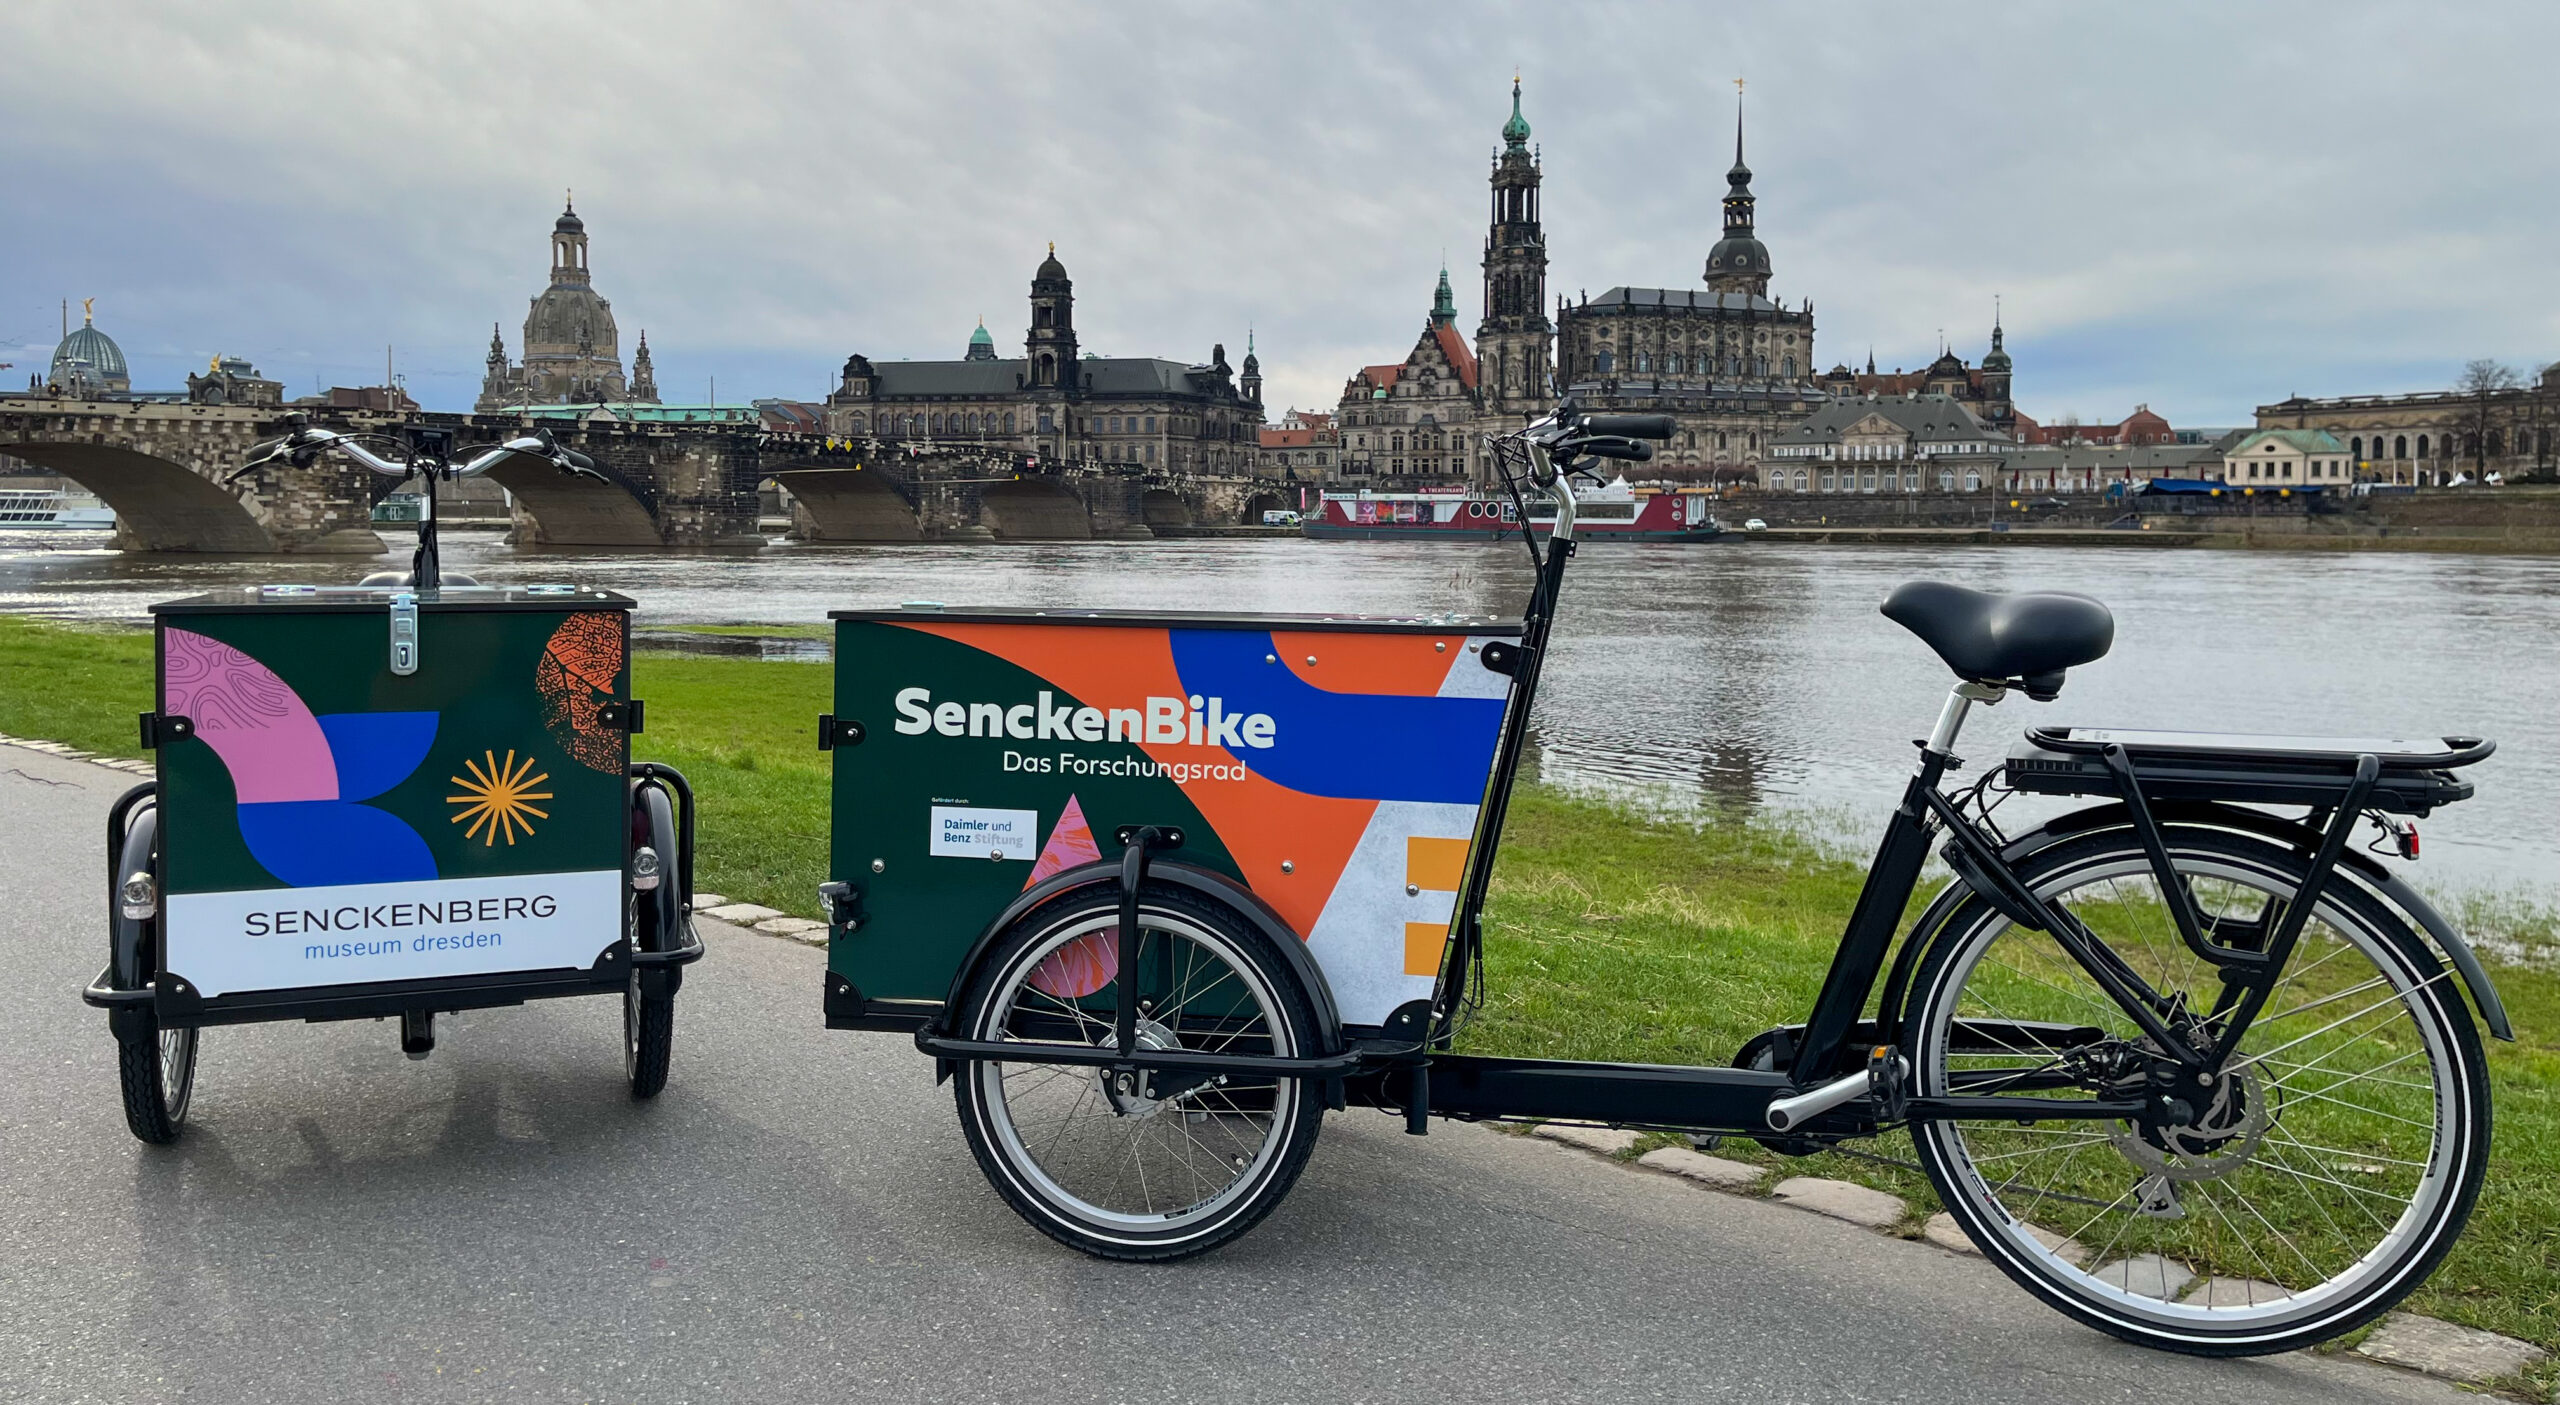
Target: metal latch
[
  {"x": 159, "y": 729},
  {"x": 834, "y": 731},
  {"x": 404, "y": 633},
  {"x": 631, "y": 716}
]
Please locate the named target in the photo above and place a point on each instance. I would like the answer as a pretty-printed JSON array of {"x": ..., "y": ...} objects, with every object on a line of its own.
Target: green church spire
[
  {"x": 1516, "y": 131},
  {"x": 1444, "y": 304}
]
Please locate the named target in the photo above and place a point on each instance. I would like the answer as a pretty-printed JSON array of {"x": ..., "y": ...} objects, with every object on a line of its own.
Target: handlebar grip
[
  {"x": 1634, "y": 450},
  {"x": 1629, "y": 426}
]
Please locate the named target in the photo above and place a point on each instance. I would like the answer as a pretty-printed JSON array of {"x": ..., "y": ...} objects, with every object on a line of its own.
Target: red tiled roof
[
  {"x": 1296, "y": 438},
  {"x": 1454, "y": 347}
]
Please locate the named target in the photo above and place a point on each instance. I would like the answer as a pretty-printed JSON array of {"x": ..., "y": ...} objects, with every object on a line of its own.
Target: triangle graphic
[{"x": 1070, "y": 843}]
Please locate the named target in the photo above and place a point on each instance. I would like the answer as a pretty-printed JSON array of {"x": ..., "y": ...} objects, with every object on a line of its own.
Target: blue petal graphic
[
  {"x": 322, "y": 843},
  {"x": 1357, "y": 746},
  {"x": 377, "y": 750}
]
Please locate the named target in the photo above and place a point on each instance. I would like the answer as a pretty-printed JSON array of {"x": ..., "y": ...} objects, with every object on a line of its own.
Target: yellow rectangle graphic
[
  {"x": 1423, "y": 943},
  {"x": 1437, "y": 865}
]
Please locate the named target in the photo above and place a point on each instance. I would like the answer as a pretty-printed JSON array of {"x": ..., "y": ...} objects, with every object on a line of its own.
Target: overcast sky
[{"x": 2201, "y": 208}]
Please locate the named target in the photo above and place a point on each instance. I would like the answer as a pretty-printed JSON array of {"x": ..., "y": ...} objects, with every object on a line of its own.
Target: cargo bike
[
  {"x": 391, "y": 800},
  {"x": 1155, "y": 890}
]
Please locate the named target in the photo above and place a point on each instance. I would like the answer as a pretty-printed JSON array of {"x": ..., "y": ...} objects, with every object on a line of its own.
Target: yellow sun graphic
[{"x": 496, "y": 798}]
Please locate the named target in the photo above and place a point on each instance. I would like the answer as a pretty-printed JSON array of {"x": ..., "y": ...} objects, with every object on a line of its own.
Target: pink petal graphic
[
  {"x": 266, "y": 737},
  {"x": 1081, "y": 967},
  {"x": 1070, "y": 844}
]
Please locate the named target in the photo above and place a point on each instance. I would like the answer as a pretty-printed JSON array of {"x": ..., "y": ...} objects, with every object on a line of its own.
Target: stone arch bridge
[{"x": 163, "y": 467}]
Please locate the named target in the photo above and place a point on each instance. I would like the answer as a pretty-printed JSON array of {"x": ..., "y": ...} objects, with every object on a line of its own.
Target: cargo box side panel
[
  {"x": 332, "y": 823},
  {"x": 1338, "y": 774}
]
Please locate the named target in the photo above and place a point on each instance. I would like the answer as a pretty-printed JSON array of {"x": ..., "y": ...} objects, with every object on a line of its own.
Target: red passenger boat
[{"x": 1616, "y": 512}]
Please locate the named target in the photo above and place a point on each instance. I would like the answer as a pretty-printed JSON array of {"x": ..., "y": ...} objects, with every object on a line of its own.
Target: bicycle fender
[
  {"x": 1214, "y": 886},
  {"x": 130, "y": 951},
  {"x": 2384, "y": 885}
]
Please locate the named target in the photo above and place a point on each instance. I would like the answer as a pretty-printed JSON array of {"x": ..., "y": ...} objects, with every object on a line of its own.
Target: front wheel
[
  {"x": 648, "y": 1037},
  {"x": 1149, "y": 1165},
  {"x": 2293, "y": 1194},
  {"x": 157, "y": 1066}
]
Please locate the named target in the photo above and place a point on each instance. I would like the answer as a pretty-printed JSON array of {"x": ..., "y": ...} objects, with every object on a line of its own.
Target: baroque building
[
  {"x": 1417, "y": 422},
  {"x": 1983, "y": 389},
  {"x": 572, "y": 352},
  {"x": 2432, "y": 438},
  {"x": 1056, "y": 402},
  {"x": 1733, "y": 367},
  {"x": 1513, "y": 339}
]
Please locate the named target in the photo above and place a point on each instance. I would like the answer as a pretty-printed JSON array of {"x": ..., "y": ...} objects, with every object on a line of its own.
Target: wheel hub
[
  {"x": 2221, "y": 1129},
  {"x": 1132, "y": 1092}
]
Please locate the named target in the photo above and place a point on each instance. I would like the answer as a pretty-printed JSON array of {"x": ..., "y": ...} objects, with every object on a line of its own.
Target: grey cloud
[{"x": 2197, "y": 206}]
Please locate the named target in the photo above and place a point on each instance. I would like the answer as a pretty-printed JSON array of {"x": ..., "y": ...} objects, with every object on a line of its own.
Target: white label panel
[
  {"x": 970, "y": 833},
  {"x": 288, "y": 938}
]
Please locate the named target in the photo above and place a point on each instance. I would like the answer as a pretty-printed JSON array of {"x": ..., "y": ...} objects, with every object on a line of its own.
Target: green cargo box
[{"x": 348, "y": 828}]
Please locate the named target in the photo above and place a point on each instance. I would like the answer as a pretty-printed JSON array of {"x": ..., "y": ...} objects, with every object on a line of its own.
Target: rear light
[{"x": 644, "y": 869}]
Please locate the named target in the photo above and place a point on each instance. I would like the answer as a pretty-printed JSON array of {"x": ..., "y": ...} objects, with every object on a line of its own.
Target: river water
[{"x": 1708, "y": 677}]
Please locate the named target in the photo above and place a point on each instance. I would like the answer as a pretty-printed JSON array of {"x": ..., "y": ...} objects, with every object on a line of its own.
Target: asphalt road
[{"x": 797, "y": 1218}]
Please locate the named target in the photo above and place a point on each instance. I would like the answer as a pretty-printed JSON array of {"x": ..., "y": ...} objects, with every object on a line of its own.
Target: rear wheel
[
  {"x": 157, "y": 1066},
  {"x": 1138, "y": 1166},
  {"x": 2292, "y": 1195}
]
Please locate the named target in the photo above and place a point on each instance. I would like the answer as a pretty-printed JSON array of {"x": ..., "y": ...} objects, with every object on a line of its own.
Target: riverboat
[
  {"x": 45, "y": 509},
  {"x": 1616, "y": 512}
]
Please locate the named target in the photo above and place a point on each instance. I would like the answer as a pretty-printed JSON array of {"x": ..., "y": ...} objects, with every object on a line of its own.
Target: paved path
[{"x": 798, "y": 1219}]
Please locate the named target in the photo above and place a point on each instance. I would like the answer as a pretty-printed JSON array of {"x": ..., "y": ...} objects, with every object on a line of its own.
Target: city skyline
[{"x": 820, "y": 197}]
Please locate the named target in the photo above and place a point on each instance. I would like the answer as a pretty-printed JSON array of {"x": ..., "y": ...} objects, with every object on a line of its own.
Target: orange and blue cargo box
[{"x": 1334, "y": 765}]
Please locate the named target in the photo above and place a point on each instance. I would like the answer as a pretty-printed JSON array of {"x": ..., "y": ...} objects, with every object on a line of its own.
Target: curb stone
[
  {"x": 2443, "y": 1349},
  {"x": 2168, "y": 1276},
  {"x": 704, "y": 902},
  {"x": 72, "y": 753},
  {"x": 1943, "y": 1231},
  {"x": 798, "y": 929},
  {"x": 1607, "y": 1141},
  {"x": 1696, "y": 1166},
  {"x": 1841, "y": 1200},
  {"x": 743, "y": 914}
]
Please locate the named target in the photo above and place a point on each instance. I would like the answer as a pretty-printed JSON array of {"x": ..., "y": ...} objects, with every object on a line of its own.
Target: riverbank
[{"x": 1609, "y": 936}]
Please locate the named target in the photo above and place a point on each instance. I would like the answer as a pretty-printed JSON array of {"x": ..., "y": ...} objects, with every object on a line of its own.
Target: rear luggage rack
[{"x": 2416, "y": 776}]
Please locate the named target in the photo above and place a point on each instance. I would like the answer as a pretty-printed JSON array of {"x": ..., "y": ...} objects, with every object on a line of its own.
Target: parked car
[
  {"x": 1279, "y": 517},
  {"x": 1755, "y": 525}
]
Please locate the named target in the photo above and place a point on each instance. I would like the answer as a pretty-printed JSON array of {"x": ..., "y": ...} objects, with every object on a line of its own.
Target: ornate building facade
[
  {"x": 1514, "y": 338},
  {"x": 1733, "y": 367},
  {"x": 1982, "y": 390},
  {"x": 572, "y": 352},
  {"x": 1417, "y": 422},
  {"x": 1054, "y": 402},
  {"x": 2435, "y": 437}
]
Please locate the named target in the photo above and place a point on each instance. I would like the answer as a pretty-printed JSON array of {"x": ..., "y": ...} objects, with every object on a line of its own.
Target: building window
[
  {"x": 2400, "y": 446},
  {"x": 1799, "y": 480},
  {"x": 1048, "y": 424},
  {"x": 1829, "y": 483},
  {"x": 2422, "y": 446},
  {"x": 1151, "y": 424}
]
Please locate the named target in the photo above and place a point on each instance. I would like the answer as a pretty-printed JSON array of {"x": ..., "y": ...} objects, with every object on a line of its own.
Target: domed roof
[
  {"x": 1050, "y": 267},
  {"x": 92, "y": 352},
  {"x": 1515, "y": 131},
  {"x": 569, "y": 223},
  {"x": 980, "y": 337},
  {"x": 1740, "y": 254}
]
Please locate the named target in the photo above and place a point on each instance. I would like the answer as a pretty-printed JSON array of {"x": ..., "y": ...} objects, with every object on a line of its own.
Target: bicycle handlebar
[
  {"x": 304, "y": 444},
  {"x": 1628, "y": 426}
]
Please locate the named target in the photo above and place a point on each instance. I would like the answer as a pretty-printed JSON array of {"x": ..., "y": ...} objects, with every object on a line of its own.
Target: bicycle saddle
[{"x": 2026, "y": 638}]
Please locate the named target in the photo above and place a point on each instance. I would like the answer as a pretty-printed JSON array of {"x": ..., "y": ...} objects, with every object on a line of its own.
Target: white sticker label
[
  {"x": 287, "y": 938},
  {"x": 964, "y": 833}
]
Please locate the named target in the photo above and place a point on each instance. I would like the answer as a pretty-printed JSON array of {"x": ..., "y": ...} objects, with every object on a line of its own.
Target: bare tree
[{"x": 2485, "y": 387}]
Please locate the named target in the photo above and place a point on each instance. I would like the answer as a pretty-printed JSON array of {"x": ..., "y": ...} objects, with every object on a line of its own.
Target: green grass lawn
[{"x": 1609, "y": 936}]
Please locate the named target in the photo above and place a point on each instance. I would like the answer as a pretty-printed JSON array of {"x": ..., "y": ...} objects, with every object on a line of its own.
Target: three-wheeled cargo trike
[
  {"x": 408, "y": 796},
  {"x": 1155, "y": 890}
]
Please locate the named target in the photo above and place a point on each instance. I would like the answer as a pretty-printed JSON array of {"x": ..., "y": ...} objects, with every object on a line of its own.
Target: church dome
[
  {"x": 569, "y": 223},
  {"x": 1737, "y": 254},
  {"x": 1050, "y": 268},
  {"x": 93, "y": 353},
  {"x": 1515, "y": 131},
  {"x": 980, "y": 337}
]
